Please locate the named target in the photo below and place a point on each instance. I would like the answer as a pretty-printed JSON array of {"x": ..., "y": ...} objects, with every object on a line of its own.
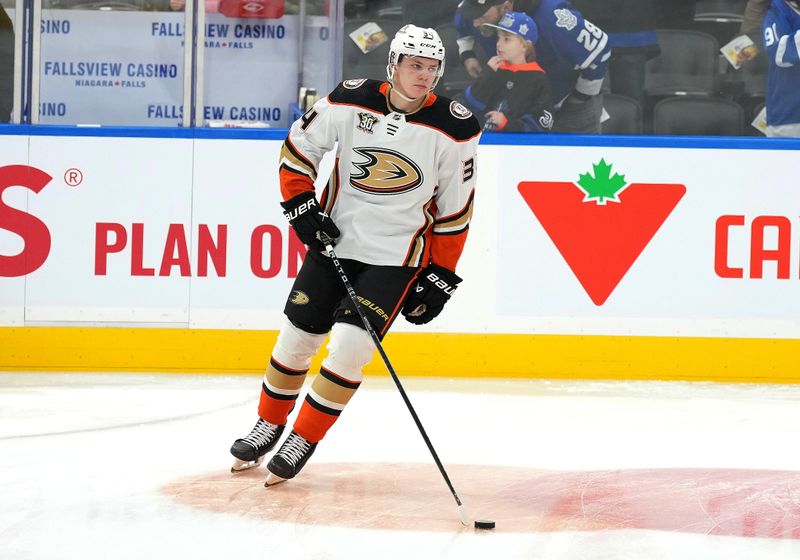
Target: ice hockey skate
[
  {"x": 290, "y": 458},
  {"x": 250, "y": 450}
]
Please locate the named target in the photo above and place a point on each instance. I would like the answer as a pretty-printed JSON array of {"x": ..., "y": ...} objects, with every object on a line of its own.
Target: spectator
[
  {"x": 514, "y": 88},
  {"x": 631, "y": 28},
  {"x": 781, "y": 29},
  {"x": 572, "y": 51},
  {"x": 754, "y": 13},
  {"x": 6, "y": 66},
  {"x": 426, "y": 13}
]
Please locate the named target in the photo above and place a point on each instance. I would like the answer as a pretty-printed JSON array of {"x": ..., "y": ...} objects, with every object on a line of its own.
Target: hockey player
[
  {"x": 782, "y": 41},
  {"x": 398, "y": 204},
  {"x": 514, "y": 93},
  {"x": 572, "y": 51}
]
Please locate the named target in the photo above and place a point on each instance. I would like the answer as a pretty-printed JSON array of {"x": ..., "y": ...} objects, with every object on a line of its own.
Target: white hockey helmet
[{"x": 411, "y": 40}]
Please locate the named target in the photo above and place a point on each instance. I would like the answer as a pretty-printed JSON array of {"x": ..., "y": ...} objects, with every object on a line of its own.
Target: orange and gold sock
[
  {"x": 324, "y": 403},
  {"x": 279, "y": 391}
]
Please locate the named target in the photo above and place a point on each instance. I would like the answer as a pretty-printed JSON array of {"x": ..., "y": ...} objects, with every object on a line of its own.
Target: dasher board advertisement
[
  {"x": 13, "y": 216},
  {"x": 187, "y": 231},
  {"x": 125, "y": 68},
  {"x": 669, "y": 241},
  {"x": 114, "y": 230}
]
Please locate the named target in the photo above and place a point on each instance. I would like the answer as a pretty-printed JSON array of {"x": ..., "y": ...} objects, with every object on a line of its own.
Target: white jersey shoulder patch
[
  {"x": 353, "y": 84},
  {"x": 459, "y": 111}
]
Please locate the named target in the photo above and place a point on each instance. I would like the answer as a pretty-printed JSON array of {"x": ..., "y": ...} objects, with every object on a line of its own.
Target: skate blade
[
  {"x": 241, "y": 466},
  {"x": 272, "y": 480}
]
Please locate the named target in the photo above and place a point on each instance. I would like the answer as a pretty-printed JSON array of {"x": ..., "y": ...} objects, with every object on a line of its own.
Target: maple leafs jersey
[
  {"x": 572, "y": 50},
  {"x": 402, "y": 187},
  {"x": 782, "y": 41}
]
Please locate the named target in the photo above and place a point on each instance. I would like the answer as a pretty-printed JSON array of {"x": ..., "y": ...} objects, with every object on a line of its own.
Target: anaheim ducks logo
[
  {"x": 299, "y": 298},
  {"x": 461, "y": 112},
  {"x": 353, "y": 84},
  {"x": 385, "y": 172}
]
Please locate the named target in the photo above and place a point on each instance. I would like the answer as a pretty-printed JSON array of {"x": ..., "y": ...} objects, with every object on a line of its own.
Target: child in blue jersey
[
  {"x": 571, "y": 49},
  {"x": 782, "y": 41},
  {"x": 513, "y": 93}
]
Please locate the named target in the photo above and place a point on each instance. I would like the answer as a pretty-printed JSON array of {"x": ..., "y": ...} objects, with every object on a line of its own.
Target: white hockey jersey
[{"x": 402, "y": 187}]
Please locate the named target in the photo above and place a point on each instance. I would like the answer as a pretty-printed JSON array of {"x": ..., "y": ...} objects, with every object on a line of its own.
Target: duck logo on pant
[{"x": 299, "y": 298}]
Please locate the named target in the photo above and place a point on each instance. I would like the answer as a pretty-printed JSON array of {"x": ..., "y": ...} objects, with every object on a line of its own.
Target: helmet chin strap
[
  {"x": 403, "y": 97},
  {"x": 390, "y": 75}
]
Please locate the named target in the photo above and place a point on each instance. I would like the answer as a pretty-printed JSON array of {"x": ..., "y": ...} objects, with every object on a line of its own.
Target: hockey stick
[{"x": 462, "y": 513}]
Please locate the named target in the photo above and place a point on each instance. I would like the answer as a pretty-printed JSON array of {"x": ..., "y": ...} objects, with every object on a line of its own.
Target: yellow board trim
[{"x": 419, "y": 354}]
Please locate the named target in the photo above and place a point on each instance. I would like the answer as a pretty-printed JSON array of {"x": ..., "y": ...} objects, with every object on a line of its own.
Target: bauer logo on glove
[
  {"x": 302, "y": 209},
  {"x": 429, "y": 295},
  {"x": 441, "y": 284},
  {"x": 309, "y": 221}
]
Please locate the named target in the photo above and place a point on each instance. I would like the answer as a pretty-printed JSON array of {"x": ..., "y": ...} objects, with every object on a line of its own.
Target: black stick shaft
[{"x": 368, "y": 326}]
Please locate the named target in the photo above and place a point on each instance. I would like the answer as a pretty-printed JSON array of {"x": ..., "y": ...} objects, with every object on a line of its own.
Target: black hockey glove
[
  {"x": 428, "y": 296},
  {"x": 308, "y": 220}
]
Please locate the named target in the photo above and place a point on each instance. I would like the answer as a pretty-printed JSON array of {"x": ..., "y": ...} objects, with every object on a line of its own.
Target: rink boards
[{"x": 608, "y": 257}]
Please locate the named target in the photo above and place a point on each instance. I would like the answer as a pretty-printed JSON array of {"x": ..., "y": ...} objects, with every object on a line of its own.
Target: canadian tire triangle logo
[{"x": 601, "y": 224}]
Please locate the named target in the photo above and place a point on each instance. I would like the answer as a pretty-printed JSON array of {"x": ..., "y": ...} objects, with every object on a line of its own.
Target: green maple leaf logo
[{"x": 603, "y": 186}]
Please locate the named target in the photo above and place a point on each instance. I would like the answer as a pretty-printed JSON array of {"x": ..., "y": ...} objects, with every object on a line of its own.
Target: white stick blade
[{"x": 462, "y": 513}]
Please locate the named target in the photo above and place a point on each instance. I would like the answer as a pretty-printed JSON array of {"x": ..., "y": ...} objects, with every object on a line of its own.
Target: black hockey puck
[{"x": 484, "y": 524}]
